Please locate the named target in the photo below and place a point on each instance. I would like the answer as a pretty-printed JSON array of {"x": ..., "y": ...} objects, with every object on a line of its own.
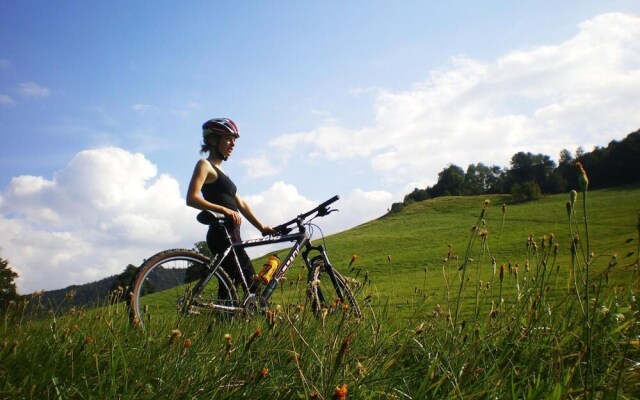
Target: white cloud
[
  {"x": 138, "y": 107},
  {"x": 259, "y": 167},
  {"x": 32, "y": 89},
  {"x": 582, "y": 92},
  {"x": 109, "y": 207},
  {"x": 6, "y": 100},
  {"x": 105, "y": 209}
]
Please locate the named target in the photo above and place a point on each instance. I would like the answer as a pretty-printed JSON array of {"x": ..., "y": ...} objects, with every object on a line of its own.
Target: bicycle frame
[{"x": 301, "y": 243}]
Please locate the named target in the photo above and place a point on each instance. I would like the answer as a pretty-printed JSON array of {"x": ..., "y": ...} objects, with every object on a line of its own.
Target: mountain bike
[{"x": 181, "y": 282}]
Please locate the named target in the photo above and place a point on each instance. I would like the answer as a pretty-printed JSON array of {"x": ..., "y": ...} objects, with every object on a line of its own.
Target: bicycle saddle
[{"x": 209, "y": 217}]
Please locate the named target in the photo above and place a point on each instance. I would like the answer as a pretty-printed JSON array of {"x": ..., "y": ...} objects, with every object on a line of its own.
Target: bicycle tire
[
  {"x": 323, "y": 295},
  {"x": 160, "y": 290}
]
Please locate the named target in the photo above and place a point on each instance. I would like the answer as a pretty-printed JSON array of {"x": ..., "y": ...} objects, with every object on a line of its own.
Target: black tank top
[{"x": 222, "y": 191}]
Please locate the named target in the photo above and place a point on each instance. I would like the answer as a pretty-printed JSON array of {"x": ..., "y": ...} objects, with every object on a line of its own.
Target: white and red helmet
[{"x": 220, "y": 126}]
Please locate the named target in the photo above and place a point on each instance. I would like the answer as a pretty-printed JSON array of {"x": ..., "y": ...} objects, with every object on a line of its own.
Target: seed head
[
  {"x": 583, "y": 180},
  {"x": 341, "y": 392}
]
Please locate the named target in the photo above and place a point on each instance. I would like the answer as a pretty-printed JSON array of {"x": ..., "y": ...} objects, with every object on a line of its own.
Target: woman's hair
[{"x": 206, "y": 147}]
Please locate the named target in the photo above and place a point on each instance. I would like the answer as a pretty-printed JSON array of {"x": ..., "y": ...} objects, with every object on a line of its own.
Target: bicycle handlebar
[
  {"x": 322, "y": 210},
  {"x": 210, "y": 217}
]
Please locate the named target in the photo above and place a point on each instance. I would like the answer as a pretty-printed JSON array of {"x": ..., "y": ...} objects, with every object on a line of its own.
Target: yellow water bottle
[{"x": 269, "y": 268}]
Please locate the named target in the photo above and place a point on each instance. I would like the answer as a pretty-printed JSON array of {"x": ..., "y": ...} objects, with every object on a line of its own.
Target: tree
[
  {"x": 8, "y": 290},
  {"x": 529, "y": 167},
  {"x": 125, "y": 279},
  {"x": 416, "y": 195},
  {"x": 197, "y": 271},
  {"x": 526, "y": 191},
  {"x": 480, "y": 179},
  {"x": 450, "y": 182}
]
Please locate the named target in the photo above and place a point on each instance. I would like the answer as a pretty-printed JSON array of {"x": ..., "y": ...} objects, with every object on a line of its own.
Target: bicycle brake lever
[{"x": 326, "y": 211}]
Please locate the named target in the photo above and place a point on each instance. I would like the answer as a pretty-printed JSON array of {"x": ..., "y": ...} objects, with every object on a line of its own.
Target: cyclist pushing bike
[
  {"x": 211, "y": 189},
  {"x": 165, "y": 285}
]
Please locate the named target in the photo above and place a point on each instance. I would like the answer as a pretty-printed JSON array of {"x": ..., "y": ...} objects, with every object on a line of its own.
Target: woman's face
[{"x": 225, "y": 144}]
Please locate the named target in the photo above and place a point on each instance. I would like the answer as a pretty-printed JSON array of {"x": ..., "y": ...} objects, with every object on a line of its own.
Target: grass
[{"x": 450, "y": 312}]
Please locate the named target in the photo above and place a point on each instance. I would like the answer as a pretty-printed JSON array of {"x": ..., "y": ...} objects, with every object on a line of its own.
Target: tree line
[{"x": 532, "y": 175}]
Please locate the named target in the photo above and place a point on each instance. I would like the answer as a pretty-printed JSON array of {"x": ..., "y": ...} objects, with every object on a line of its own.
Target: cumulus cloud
[
  {"x": 581, "y": 92},
  {"x": 108, "y": 208},
  {"x": 105, "y": 209},
  {"x": 32, "y": 89}
]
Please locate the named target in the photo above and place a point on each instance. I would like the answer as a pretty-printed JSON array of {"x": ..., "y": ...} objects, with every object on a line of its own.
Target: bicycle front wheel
[
  {"x": 176, "y": 283},
  {"x": 329, "y": 290}
]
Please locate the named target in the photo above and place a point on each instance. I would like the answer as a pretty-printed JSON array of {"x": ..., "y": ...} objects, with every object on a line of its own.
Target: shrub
[{"x": 526, "y": 191}]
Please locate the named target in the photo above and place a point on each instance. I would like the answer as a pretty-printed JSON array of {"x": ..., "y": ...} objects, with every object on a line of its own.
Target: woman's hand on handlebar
[{"x": 267, "y": 230}]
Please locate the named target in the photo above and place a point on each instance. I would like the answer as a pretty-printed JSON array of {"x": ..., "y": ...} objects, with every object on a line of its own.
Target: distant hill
[{"x": 86, "y": 295}]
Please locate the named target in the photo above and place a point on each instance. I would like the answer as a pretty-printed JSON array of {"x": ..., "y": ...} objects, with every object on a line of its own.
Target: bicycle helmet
[{"x": 220, "y": 126}]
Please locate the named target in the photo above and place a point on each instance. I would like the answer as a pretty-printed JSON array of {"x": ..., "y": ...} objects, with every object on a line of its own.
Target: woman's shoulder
[{"x": 207, "y": 167}]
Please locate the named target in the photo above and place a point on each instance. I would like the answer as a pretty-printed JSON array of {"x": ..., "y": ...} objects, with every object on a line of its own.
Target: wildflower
[
  {"x": 175, "y": 334},
  {"x": 88, "y": 340},
  {"x": 569, "y": 208},
  {"x": 271, "y": 318},
  {"x": 486, "y": 203},
  {"x": 353, "y": 259},
  {"x": 583, "y": 180},
  {"x": 341, "y": 392},
  {"x": 229, "y": 343},
  {"x": 264, "y": 372},
  {"x": 573, "y": 196},
  {"x": 389, "y": 258},
  {"x": 187, "y": 343}
]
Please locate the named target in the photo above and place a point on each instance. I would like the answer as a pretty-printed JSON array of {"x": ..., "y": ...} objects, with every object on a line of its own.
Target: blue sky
[{"x": 101, "y": 105}]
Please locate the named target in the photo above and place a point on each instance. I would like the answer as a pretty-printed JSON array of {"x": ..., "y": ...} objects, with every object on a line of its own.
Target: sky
[{"x": 101, "y": 107}]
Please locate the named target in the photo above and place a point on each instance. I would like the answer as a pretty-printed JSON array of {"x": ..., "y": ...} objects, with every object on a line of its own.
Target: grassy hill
[
  {"x": 406, "y": 254},
  {"x": 439, "y": 320}
]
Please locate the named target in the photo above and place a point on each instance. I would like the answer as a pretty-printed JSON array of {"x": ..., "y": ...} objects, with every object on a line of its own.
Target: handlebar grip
[{"x": 331, "y": 200}]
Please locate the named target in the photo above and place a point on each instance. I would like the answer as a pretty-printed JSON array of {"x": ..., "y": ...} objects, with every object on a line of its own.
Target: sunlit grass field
[{"x": 463, "y": 298}]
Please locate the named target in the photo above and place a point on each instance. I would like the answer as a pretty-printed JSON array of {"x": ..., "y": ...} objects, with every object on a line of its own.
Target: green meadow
[{"x": 463, "y": 298}]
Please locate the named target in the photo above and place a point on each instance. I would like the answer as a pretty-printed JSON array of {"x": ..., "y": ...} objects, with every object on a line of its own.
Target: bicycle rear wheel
[
  {"x": 329, "y": 290},
  {"x": 175, "y": 283}
]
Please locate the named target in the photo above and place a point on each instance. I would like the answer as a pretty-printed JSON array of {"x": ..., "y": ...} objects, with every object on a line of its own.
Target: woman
[{"x": 219, "y": 195}]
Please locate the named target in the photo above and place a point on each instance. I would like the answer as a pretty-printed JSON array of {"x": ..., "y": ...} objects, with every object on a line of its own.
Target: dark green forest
[{"x": 532, "y": 175}]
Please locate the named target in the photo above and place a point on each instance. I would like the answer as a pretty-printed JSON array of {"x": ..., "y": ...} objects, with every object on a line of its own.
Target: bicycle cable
[{"x": 311, "y": 227}]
